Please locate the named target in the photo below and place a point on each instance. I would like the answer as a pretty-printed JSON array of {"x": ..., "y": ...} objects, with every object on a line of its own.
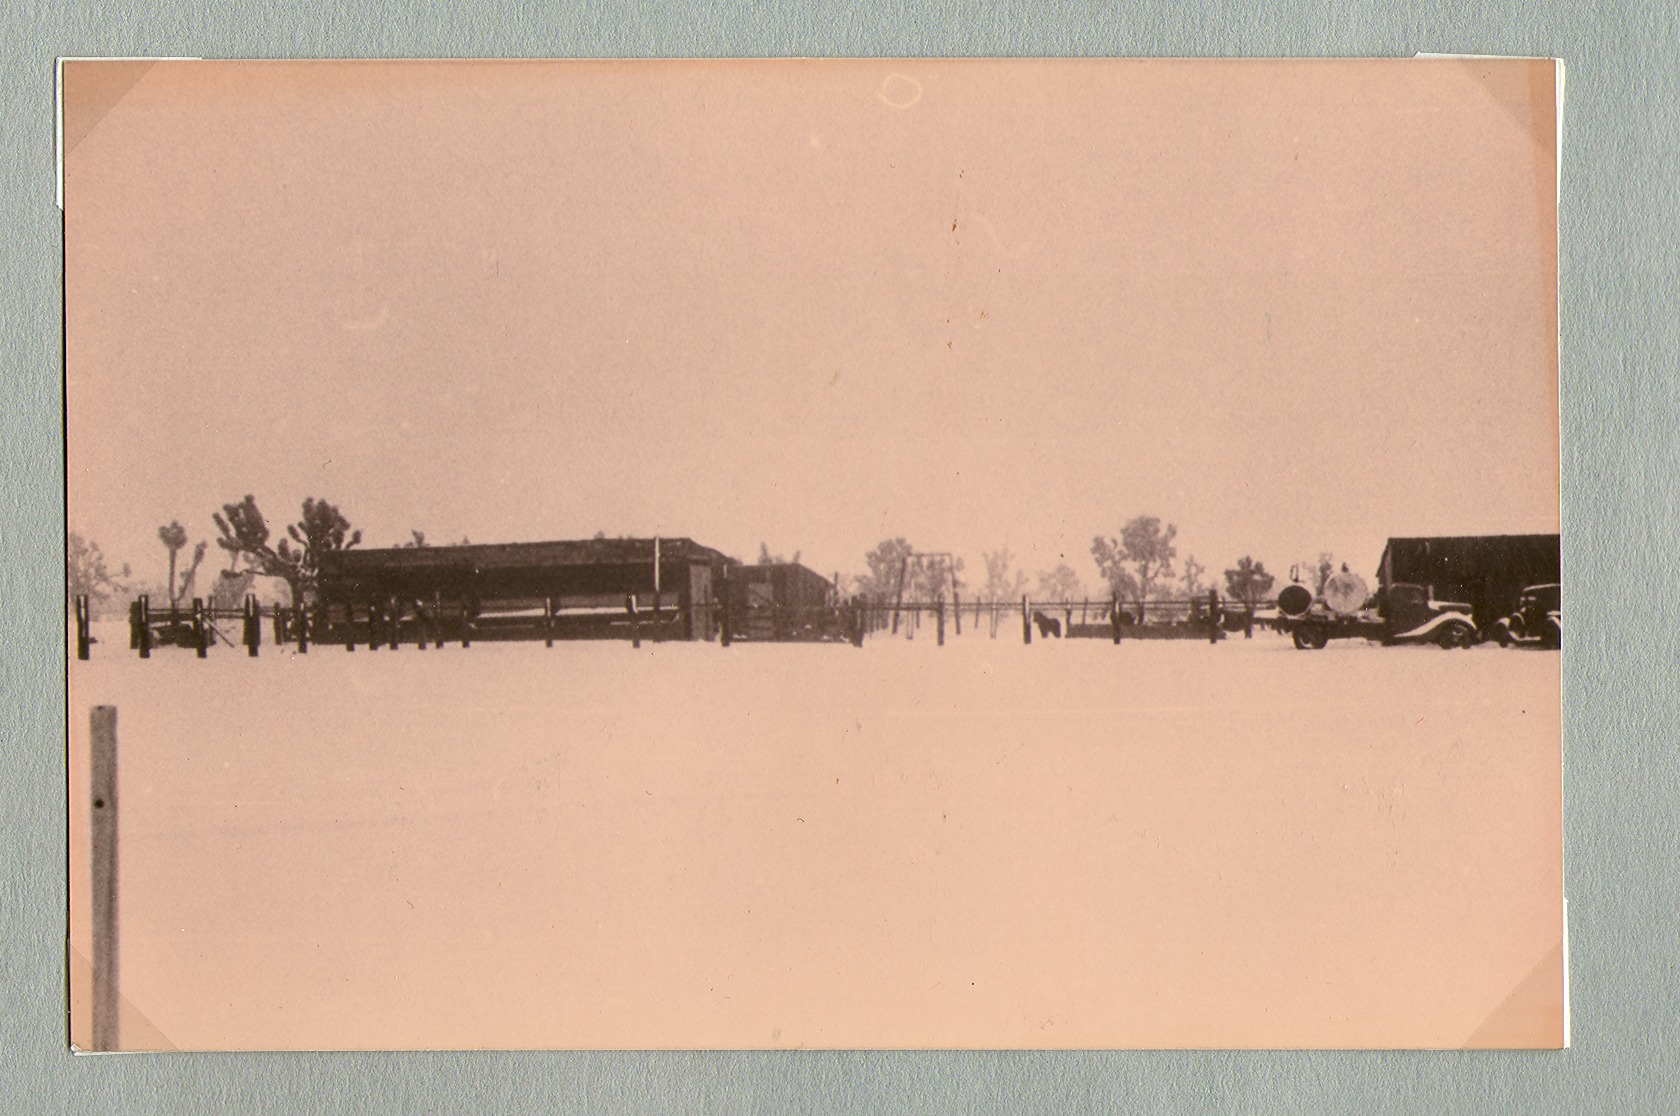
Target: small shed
[{"x": 781, "y": 601}]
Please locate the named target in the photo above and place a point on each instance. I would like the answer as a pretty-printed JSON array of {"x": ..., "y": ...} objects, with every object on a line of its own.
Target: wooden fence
[{"x": 200, "y": 627}]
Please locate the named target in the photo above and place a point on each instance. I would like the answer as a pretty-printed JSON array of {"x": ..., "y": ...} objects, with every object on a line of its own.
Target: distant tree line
[{"x": 1136, "y": 564}]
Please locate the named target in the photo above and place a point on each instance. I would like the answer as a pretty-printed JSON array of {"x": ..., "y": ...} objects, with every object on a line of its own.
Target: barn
[
  {"x": 645, "y": 588},
  {"x": 578, "y": 589},
  {"x": 1487, "y": 572}
]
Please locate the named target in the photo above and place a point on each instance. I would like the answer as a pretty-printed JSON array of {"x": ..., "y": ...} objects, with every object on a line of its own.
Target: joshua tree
[
  {"x": 1193, "y": 571},
  {"x": 323, "y": 528},
  {"x": 174, "y": 537},
  {"x": 1248, "y": 582}
]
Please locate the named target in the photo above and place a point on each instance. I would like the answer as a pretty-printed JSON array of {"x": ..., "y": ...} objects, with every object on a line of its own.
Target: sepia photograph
[{"x": 866, "y": 554}]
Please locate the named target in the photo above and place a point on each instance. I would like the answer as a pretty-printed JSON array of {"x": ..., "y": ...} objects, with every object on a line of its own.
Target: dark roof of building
[
  {"x": 1471, "y": 556},
  {"x": 489, "y": 556},
  {"x": 1476, "y": 541}
]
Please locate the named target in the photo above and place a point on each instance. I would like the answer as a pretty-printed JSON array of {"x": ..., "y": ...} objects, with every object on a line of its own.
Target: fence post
[
  {"x": 82, "y": 636},
  {"x": 437, "y": 620},
  {"x": 102, "y": 770},
  {"x": 940, "y": 621},
  {"x": 302, "y": 629},
  {"x": 956, "y": 610},
  {"x": 1026, "y": 622},
  {"x": 253, "y": 626},
  {"x": 1114, "y": 618},
  {"x": 395, "y": 612},
  {"x": 145, "y": 606},
  {"x": 201, "y": 634},
  {"x": 635, "y": 625},
  {"x": 726, "y": 636},
  {"x": 548, "y": 621},
  {"x": 466, "y": 625}
]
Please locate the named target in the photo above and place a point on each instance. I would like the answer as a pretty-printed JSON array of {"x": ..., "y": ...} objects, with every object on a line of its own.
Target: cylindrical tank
[
  {"x": 1345, "y": 593},
  {"x": 1294, "y": 600}
]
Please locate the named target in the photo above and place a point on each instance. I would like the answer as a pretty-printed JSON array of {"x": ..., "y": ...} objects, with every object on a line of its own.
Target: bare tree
[
  {"x": 86, "y": 574},
  {"x": 934, "y": 576},
  {"x": 1141, "y": 556},
  {"x": 1319, "y": 572},
  {"x": 1059, "y": 584},
  {"x": 887, "y": 565},
  {"x": 765, "y": 558},
  {"x": 1002, "y": 582}
]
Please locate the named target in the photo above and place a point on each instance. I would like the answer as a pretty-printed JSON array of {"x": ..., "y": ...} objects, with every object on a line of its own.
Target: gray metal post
[{"x": 103, "y": 785}]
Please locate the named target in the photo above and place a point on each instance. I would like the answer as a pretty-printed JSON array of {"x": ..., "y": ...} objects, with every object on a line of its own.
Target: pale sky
[{"x": 1287, "y": 306}]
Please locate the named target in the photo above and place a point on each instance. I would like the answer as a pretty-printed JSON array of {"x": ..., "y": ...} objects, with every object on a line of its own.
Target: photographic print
[{"x": 893, "y": 553}]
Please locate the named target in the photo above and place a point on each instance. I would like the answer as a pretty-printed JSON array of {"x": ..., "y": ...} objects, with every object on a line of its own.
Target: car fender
[{"x": 1433, "y": 624}]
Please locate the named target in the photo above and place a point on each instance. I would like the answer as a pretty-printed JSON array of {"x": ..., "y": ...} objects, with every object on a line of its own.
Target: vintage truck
[
  {"x": 1447, "y": 589},
  {"x": 1395, "y": 614}
]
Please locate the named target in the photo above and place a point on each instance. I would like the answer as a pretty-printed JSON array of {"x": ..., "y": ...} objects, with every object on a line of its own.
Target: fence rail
[{"x": 200, "y": 626}]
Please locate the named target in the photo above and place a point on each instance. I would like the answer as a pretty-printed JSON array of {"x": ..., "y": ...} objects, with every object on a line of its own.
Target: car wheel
[
  {"x": 1454, "y": 634},
  {"x": 1554, "y": 634}
]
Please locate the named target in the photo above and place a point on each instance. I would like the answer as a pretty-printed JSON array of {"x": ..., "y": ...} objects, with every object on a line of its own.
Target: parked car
[{"x": 1537, "y": 620}]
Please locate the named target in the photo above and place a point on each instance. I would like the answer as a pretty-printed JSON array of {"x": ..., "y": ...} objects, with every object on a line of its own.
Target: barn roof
[{"x": 490, "y": 556}]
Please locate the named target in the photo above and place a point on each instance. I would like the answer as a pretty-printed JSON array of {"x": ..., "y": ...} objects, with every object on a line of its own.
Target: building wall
[{"x": 1485, "y": 571}]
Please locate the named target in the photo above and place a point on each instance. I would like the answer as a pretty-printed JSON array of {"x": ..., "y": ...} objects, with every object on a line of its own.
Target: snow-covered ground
[{"x": 1067, "y": 844}]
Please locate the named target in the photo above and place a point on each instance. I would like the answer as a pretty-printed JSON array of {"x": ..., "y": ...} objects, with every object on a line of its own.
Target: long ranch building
[
  {"x": 575, "y": 589},
  {"x": 653, "y": 588}
]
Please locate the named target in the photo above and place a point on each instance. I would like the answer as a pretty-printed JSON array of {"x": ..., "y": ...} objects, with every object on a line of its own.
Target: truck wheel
[
  {"x": 1455, "y": 635},
  {"x": 1310, "y": 639}
]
